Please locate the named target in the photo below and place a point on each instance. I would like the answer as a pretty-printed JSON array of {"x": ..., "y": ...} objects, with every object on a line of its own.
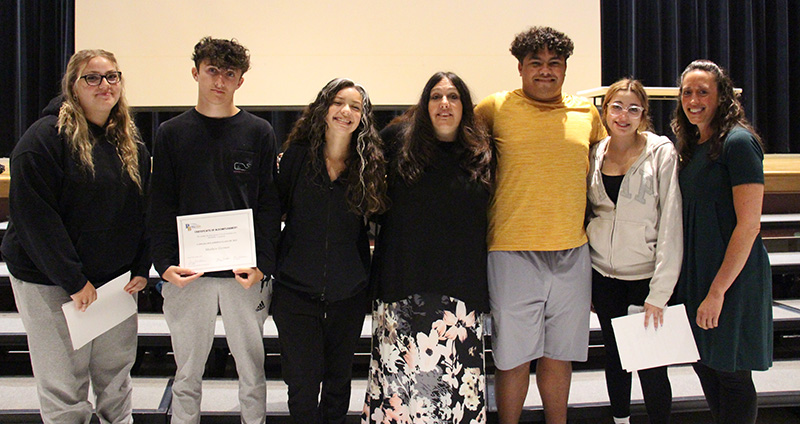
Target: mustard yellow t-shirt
[{"x": 543, "y": 158}]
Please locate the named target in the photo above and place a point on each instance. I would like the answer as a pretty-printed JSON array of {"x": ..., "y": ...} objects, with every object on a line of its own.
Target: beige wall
[{"x": 296, "y": 46}]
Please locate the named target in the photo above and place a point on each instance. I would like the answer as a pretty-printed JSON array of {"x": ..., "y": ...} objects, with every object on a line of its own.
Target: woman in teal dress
[{"x": 726, "y": 282}]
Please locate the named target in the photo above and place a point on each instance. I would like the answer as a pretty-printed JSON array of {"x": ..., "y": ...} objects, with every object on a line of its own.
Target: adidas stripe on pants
[{"x": 191, "y": 314}]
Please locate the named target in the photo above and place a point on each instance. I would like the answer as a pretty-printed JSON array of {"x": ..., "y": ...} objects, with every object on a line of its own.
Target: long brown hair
[
  {"x": 366, "y": 164},
  {"x": 418, "y": 141},
  {"x": 729, "y": 114},
  {"x": 120, "y": 128}
]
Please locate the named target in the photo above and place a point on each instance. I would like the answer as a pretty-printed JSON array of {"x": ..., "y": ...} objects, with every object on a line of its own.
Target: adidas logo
[{"x": 260, "y": 306}]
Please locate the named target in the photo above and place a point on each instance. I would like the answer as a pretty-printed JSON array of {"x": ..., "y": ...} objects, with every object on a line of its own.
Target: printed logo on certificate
[{"x": 217, "y": 241}]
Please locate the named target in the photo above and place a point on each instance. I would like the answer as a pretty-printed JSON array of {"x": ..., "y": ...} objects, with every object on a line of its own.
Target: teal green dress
[{"x": 743, "y": 340}]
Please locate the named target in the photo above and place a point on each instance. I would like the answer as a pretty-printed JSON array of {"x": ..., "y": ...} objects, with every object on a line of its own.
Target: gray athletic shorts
[{"x": 540, "y": 305}]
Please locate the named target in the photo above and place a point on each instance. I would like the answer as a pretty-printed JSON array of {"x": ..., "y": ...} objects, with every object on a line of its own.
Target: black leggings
[
  {"x": 731, "y": 396},
  {"x": 611, "y": 298},
  {"x": 318, "y": 342}
]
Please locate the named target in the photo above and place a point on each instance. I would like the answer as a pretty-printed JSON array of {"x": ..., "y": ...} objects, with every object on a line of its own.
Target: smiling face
[
  {"x": 344, "y": 113},
  {"x": 445, "y": 109},
  {"x": 543, "y": 75},
  {"x": 97, "y": 101},
  {"x": 216, "y": 85},
  {"x": 623, "y": 114},
  {"x": 699, "y": 100}
]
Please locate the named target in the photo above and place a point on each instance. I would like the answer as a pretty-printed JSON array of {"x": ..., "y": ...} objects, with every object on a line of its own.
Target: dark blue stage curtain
[
  {"x": 38, "y": 40},
  {"x": 757, "y": 41}
]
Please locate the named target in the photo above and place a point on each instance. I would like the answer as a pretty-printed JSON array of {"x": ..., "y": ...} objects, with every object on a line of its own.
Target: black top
[
  {"x": 202, "y": 165},
  {"x": 324, "y": 248},
  {"x": 433, "y": 238},
  {"x": 66, "y": 226},
  {"x": 612, "y": 183}
]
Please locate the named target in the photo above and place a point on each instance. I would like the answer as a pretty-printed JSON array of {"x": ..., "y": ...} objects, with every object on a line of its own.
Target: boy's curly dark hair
[
  {"x": 224, "y": 54},
  {"x": 537, "y": 38}
]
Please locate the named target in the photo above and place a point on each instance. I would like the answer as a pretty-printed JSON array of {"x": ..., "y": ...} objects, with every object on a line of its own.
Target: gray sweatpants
[
  {"x": 191, "y": 314},
  {"x": 62, "y": 374}
]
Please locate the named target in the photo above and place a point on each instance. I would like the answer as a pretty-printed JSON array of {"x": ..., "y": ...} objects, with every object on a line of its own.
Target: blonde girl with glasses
[
  {"x": 635, "y": 235},
  {"x": 77, "y": 202}
]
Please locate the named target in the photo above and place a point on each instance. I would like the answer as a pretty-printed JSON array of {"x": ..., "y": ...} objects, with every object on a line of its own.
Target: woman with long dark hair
[
  {"x": 726, "y": 280},
  {"x": 331, "y": 179},
  {"x": 429, "y": 267},
  {"x": 77, "y": 221}
]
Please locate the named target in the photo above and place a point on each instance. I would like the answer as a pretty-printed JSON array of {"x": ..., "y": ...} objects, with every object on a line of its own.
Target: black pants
[
  {"x": 318, "y": 341},
  {"x": 731, "y": 396},
  {"x": 611, "y": 298}
]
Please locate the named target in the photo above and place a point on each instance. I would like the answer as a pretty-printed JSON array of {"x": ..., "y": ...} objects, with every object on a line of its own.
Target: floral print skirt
[{"x": 427, "y": 363}]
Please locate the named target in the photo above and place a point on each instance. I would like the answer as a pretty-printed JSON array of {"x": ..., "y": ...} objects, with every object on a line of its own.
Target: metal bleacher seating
[{"x": 154, "y": 368}]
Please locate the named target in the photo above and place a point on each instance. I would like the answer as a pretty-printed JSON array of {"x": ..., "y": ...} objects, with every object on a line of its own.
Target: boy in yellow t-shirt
[{"x": 539, "y": 264}]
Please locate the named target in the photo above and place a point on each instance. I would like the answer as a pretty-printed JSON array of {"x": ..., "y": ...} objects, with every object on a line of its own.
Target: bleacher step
[
  {"x": 18, "y": 396},
  {"x": 776, "y": 387}
]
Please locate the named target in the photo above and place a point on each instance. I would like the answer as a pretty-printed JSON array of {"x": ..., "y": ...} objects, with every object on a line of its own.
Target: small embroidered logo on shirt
[
  {"x": 260, "y": 306},
  {"x": 239, "y": 167}
]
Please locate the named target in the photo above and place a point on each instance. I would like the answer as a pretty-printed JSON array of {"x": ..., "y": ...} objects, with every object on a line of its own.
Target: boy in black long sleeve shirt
[{"x": 215, "y": 157}]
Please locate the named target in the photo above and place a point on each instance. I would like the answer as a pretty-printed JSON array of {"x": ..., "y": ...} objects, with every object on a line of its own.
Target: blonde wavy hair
[{"x": 120, "y": 128}]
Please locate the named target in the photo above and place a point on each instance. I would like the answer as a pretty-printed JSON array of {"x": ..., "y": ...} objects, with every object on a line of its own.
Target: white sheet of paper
[
  {"x": 217, "y": 241},
  {"x": 113, "y": 305},
  {"x": 642, "y": 348}
]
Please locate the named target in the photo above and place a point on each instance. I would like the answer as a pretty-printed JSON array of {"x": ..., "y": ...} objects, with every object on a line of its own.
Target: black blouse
[{"x": 433, "y": 238}]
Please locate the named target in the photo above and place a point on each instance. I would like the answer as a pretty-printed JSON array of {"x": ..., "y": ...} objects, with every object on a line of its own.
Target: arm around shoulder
[{"x": 485, "y": 110}]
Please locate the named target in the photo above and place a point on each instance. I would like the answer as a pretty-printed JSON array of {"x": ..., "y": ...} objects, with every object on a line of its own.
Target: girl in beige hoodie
[{"x": 635, "y": 234}]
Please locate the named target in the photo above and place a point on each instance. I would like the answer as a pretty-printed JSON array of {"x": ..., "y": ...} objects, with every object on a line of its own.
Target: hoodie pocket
[
  {"x": 630, "y": 248},
  {"x": 599, "y": 233}
]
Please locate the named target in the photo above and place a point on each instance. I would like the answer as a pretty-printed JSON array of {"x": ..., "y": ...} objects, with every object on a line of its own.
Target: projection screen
[{"x": 390, "y": 47}]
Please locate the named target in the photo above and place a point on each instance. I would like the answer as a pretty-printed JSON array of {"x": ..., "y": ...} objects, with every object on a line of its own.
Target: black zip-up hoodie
[
  {"x": 324, "y": 247},
  {"x": 68, "y": 227}
]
